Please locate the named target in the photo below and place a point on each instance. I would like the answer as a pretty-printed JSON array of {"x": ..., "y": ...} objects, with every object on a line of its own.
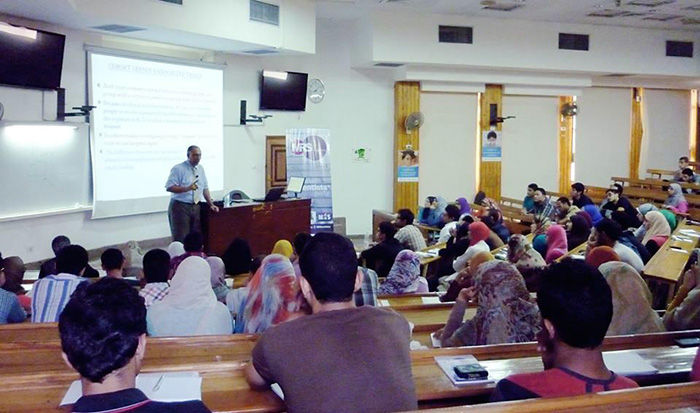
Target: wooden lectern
[{"x": 261, "y": 224}]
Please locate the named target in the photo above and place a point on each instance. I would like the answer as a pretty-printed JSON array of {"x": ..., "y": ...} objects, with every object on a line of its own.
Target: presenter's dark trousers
[{"x": 184, "y": 218}]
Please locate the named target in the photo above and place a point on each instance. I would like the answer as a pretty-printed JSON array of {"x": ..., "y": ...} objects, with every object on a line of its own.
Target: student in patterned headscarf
[{"x": 404, "y": 276}]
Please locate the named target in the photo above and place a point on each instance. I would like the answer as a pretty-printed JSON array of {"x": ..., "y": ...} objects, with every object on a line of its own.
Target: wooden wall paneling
[
  {"x": 406, "y": 101},
  {"x": 275, "y": 162},
  {"x": 637, "y": 132},
  {"x": 565, "y": 146},
  {"x": 490, "y": 172},
  {"x": 694, "y": 126}
]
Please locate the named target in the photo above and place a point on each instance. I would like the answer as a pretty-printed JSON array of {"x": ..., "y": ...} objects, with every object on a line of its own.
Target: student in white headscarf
[
  {"x": 218, "y": 278},
  {"x": 190, "y": 308},
  {"x": 175, "y": 249}
]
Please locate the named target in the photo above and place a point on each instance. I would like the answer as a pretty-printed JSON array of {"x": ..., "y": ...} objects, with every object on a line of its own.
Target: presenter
[{"x": 188, "y": 184}]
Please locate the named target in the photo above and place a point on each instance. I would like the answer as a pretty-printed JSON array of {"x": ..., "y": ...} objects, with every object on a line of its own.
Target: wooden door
[{"x": 275, "y": 162}]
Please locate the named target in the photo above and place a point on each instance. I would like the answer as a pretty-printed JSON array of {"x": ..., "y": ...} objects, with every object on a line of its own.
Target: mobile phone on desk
[
  {"x": 471, "y": 372},
  {"x": 688, "y": 342}
]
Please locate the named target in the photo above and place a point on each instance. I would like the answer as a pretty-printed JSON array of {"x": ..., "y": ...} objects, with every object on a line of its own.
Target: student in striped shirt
[{"x": 51, "y": 294}]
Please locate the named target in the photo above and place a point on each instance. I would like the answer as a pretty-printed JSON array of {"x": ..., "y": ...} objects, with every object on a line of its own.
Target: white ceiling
[{"x": 562, "y": 11}]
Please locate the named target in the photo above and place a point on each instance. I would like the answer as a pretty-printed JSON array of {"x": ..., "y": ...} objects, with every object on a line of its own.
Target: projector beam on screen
[{"x": 147, "y": 113}]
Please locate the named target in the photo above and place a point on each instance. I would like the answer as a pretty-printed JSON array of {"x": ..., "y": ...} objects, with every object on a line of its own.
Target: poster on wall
[
  {"x": 491, "y": 146},
  {"x": 407, "y": 165},
  {"x": 308, "y": 156}
]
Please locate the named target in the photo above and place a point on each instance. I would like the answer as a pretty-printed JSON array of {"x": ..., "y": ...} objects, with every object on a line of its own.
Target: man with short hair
[
  {"x": 156, "y": 273},
  {"x": 409, "y": 235},
  {"x": 565, "y": 210},
  {"x": 381, "y": 257},
  {"x": 343, "y": 352},
  {"x": 688, "y": 176},
  {"x": 103, "y": 337},
  {"x": 14, "y": 275},
  {"x": 608, "y": 232},
  {"x": 451, "y": 219},
  {"x": 49, "y": 267},
  {"x": 542, "y": 212},
  {"x": 576, "y": 306},
  {"x": 10, "y": 309},
  {"x": 188, "y": 184},
  {"x": 529, "y": 200},
  {"x": 51, "y": 294},
  {"x": 616, "y": 202},
  {"x": 194, "y": 246},
  {"x": 113, "y": 263},
  {"x": 578, "y": 197},
  {"x": 683, "y": 163}
]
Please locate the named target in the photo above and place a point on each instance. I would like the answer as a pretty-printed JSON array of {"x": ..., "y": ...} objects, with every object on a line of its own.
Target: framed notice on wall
[
  {"x": 407, "y": 165},
  {"x": 491, "y": 146}
]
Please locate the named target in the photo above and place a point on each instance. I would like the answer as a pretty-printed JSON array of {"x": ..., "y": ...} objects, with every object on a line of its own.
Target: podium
[{"x": 261, "y": 224}]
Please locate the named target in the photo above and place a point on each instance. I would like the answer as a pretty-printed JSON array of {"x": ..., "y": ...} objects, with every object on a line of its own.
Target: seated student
[
  {"x": 593, "y": 213},
  {"x": 578, "y": 231},
  {"x": 235, "y": 299},
  {"x": 14, "y": 275},
  {"x": 616, "y": 202},
  {"x": 381, "y": 257},
  {"x": 284, "y": 248},
  {"x": 676, "y": 202},
  {"x": 565, "y": 210},
  {"x": 103, "y": 337},
  {"x": 344, "y": 352},
  {"x": 113, "y": 264},
  {"x": 456, "y": 246},
  {"x": 237, "y": 257},
  {"x": 175, "y": 249},
  {"x": 556, "y": 243},
  {"x": 49, "y": 267},
  {"x": 465, "y": 278},
  {"x": 367, "y": 294},
  {"x": 578, "y": 197},
  {"x": 627, "y": 236},
  {"x": 450, "y": 220},
  {"x": 576, "y": 307},
  {"x": 478, "y": 234},
  {"x": 190, "y": 308},
  {"x": 498, "y": 227},
  {"x": 463, "y": 205},
  {"x": 431, "y": 213},
  {"x": 10, "y": 309},
  {"x": 657, "y": 231},
  {"x": 51, "y": 294},
  {"x": 493, "y": 241},
  {"x": 505, "y": 313},
  {"x": 683, "y": 312},
  {"x": 409, "y": 235},
  {"x": 194, "y": 247},
  {"x": 608, "y": 232},
  {"x": 299, "y": 242},
  {"x": 543, "y": 212},
  {"x": 683, "y": 163},
  {"x": 527, "y": 260},
  {"x": 529, "y": 200},
  {"x": 690, "y": 177},
  {"x": 404, "y": 276},
  {"x": 274, "y": 296},
  {"x": 218, "y": 278},
  {"x": 156, "y": 272}
]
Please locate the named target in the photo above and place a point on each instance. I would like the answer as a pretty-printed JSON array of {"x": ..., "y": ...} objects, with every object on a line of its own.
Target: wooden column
[
  {"x": 637, "y": 132},
  {"x": 490, "y": 172},
  {"x": 694, "y": 126},
  {"x": 565, "y": 145},
  {"x": 406, "y": 101}
]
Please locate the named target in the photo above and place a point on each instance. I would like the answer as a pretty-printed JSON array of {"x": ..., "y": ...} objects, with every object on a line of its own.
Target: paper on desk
[
  {"x": 384, "y": 303},
  {"x": 430, "y": 300},
  {"x": 277, "y": 390},
  {"x": 689, "y": 232},
  {"x": 448, "y": 363},
  {"x": 435, "y": 341},
  {"x": 627, "y": 362},
  {"x": 175, "y": 387}
]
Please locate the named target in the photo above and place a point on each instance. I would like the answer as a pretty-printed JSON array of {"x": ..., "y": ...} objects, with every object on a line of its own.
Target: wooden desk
[
  {"x": 261, "y": 224},
  {"x": 660, "y": 172},
  {"x": 579, "y": 250}
]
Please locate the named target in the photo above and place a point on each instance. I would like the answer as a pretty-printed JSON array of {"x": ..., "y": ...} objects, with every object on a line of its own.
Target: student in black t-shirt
[
  {"x": 103, "y": 337},
  {"x": 381, "y": 257},
  {"x": 616, "y": 202},
  {"x": 578, "y": 197}
]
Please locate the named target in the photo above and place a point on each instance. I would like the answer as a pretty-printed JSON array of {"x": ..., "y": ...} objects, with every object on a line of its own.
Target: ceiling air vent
[
  {"x": 261, "y": 51},
  {"x": 178, "y": 2},
  {"x": 455, "y": 34},
  {"x": 385, "y": 64},
  {"x": 492, "y": 5},
  {"x": 571, "y": 41},
  {"x": 264, "y": 12},
  {"x": 118, "y": 28},
  {"x": 679, "y": 49},
  {"x": 650, "y": 3}
]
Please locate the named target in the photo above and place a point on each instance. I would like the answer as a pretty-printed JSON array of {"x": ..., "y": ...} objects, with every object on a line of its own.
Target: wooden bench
[
  {"x": 656, "y": 184},
  {"x": 658, "y": 173}
]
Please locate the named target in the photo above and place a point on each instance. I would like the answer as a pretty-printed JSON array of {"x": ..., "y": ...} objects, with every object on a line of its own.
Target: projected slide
[{"x": 147, "y": 114}]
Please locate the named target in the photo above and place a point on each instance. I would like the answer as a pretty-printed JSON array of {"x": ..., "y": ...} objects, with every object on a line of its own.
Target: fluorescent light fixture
[
  {"x": 18, "y": 31},
  {"x": 276, "y": 75},
  {"x": 39, "y": 135}
]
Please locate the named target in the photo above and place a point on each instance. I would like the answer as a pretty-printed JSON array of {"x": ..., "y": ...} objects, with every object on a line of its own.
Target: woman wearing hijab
[
  {"x": 585, "y": 216},
  {"x": 593, "y": 212},
  {"x": 404, "y": 276},
  {"x": 283, "y": 247},
  {"x": 627, "y": 236},
  {"x": 505, "y": 313},
  {"x": 494, "y": 241},
  {"x": 683, "y": 313},
  {"x": 670, "y": 218},
  {"x": 463, "y": 205},
  {"x": 237, "y": 257},
  {"x": 274, "y": 296},
  {"x": 556, "y": 243},
  {"x": 175, "y": 249},
  {"x": 478, "y": 234},
  {"x": 218, "y": 278},
  {"x": 657, "y": 231},
  {"x": 578, "y": 232},
  {"x": 527, "y": 260},
  {"x": 190, "y": 308},
  {"x": 676, "y": 202},
  {"x": 600, "y": 255},
  {"x": 465, "y": 278},
  {"x": 632, "y": 312},
  {"x": 431, "y": 213}
]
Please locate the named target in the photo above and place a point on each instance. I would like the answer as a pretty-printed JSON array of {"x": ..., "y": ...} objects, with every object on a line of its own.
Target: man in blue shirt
[{"x": 188, "y": 184}]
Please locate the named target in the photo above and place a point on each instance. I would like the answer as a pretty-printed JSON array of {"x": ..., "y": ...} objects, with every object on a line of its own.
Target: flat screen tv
[
  {"x": 30, "y": 58},
  {"x": 283, "y": 91}
]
